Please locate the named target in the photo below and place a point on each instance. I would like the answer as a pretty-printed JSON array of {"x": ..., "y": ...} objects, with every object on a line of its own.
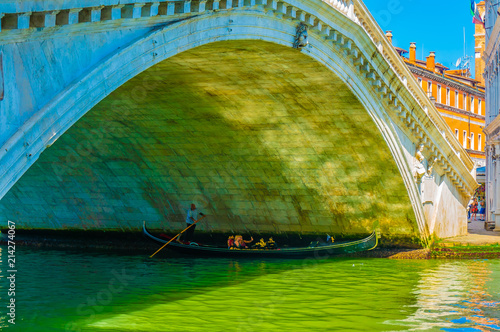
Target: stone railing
[
  {"x": 52, "y": 15},
  {"x": 459, "y": 159},
  {"x": 46, "y": 14}
]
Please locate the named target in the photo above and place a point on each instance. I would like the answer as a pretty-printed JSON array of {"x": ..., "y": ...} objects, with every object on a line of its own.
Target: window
[
  {"x": 479, "y": 105},
  {"x": 456, "y": 99},
  {"x": 448, "y": 96},
  {"x": 456, "y": 133},
  {"x": 472, "y": 141},
  {"x": 420, "y": 81},
  {"x": 439, "y": 94},
  {"x": 464, "y": 142},
  {"x": 479, "y": 147},
  {"x": 472, "y": 104},
  {"x": 465, "y": 102},
  {"x": 429, "y": 88}
]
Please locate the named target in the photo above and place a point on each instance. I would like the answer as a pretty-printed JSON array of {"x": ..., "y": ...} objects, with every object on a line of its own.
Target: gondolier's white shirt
[{"x": 191, "y": 214}]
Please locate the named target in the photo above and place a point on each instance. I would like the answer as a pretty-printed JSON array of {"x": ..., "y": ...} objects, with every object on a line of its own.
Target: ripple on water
[{"x": 94, "y": 292}]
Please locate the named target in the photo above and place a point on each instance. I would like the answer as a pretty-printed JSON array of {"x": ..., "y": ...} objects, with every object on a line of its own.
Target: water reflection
[
  {"x": 483, "y": 303},
  {"x": 69, "y": 291},
  {"x": 309, "y": 295},
  {"x": 452, "y": 296}
]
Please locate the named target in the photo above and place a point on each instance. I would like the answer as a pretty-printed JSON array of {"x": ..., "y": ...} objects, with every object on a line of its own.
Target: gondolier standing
[{"x": 192, "y": 214}]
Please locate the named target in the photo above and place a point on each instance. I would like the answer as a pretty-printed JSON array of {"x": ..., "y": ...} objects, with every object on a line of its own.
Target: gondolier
[{"x": 192, "y": 214}]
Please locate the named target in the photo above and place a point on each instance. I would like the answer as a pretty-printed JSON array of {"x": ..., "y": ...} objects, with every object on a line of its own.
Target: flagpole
[{"x": 464, "y": 43}]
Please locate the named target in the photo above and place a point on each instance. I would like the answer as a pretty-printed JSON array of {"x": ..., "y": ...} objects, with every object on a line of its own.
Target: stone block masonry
[
  {"x": 229, "y": 127},
  {"x": 279, "y": 142}
]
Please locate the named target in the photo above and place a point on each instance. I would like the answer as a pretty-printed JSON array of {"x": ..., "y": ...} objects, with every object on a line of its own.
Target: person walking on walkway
[
  {"x": 474, "y": 209},
  {"x": 482, "y": 211}
]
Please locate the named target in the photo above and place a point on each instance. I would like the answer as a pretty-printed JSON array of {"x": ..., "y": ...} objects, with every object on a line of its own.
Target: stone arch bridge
[{"x": 274, "y": 116}]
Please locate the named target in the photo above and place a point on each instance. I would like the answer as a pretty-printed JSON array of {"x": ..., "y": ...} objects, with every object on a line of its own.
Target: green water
[{"x": 72, "y": 291}]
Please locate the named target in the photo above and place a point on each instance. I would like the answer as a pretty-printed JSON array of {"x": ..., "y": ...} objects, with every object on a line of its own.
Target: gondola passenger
[
  {"x": 230, "y": 242},
  {"x": 240, "y": 243},
  {"x": 271, "y": 244},
  {"x": 260, "y": 245}
]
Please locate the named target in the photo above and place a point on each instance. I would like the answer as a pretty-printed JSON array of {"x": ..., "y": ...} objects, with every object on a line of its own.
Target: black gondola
[{"x": 315, "y": 251}]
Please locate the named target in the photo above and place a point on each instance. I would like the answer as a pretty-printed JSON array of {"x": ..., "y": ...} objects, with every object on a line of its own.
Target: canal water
[{"x": 74, "y": 291}]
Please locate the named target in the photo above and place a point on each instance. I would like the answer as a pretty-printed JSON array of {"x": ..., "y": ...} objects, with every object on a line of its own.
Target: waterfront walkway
[{"x": 477, "y": 236}]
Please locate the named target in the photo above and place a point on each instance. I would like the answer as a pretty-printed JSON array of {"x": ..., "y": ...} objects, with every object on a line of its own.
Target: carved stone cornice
[
  {"x": 457, "y": 110},
  {"x": 492, "y": 130},
  {"x": 446, "y": 81},
  {"x": 482, "y": 153},
  {"x": 454, "y": 159}
]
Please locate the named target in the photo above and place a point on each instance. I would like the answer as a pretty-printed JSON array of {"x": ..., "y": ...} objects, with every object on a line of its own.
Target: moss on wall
[{"x": 259, "y": 136}]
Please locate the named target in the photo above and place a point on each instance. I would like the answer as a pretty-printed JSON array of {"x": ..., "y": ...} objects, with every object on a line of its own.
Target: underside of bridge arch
[{"x": 259, "y": 136}]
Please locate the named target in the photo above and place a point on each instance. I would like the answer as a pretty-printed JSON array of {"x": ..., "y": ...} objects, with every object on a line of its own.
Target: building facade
[
  {"x": 480, "y": 44},
  {"x": 459, "y": 98},
  {"x": 491, "y": 57}
]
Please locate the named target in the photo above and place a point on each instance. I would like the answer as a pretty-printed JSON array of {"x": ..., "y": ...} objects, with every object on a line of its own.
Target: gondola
[{"x": 313, "y": 251}]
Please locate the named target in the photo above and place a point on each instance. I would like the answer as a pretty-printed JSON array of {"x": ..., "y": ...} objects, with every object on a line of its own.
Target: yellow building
[{"x": 458, "y": 97}]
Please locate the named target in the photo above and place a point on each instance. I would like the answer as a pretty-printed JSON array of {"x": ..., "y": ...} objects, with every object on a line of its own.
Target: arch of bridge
[
  {"x": 260, "y": 136},
  {"x": 348, "y": 52}
]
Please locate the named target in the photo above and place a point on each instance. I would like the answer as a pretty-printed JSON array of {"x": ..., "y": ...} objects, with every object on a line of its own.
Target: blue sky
[{"x": 434, "y": 25}]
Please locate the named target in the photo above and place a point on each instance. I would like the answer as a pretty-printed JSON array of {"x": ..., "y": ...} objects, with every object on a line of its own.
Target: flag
[
  {"x": 1, "y": 77},
  {"x": 476, "y": 16}
]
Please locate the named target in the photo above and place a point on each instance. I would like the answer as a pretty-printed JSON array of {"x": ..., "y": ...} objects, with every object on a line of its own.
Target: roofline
[{"x": 447, "y": 80}]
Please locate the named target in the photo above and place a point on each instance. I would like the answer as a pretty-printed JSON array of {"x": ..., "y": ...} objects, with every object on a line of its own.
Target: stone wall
[
  {"x": 259, "y": 136},
  {"x": 67, "y": 67}
]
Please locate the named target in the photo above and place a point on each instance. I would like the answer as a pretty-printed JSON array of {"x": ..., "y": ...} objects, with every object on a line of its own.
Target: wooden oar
[{"x": 185, "y": 229}]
